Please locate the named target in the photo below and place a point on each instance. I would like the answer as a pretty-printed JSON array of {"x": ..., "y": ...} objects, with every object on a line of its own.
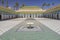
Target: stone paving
[
  {"x": 8, "y": 24},
  {"x": 50, "y": 23},
  {"x": 45, "y": 34}
]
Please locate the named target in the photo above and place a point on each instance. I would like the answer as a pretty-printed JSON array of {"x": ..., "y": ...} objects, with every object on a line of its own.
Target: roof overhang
[{"x": 31, "y": 10}]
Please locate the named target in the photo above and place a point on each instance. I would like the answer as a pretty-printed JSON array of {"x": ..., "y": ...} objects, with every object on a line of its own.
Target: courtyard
[
  {"x": 29, "y": 19},
  {"x": 42, "y": 30}
]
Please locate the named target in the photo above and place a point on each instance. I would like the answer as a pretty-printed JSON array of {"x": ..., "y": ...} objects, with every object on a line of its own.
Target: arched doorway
[
  {"x": 0, "y": 17},
  {"x": 57, "y": 15},
  {"x": 30, "y": 15}
]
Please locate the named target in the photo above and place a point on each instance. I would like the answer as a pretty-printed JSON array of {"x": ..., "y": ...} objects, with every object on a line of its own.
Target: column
[
  {"x": 23, "y": 15},
  {"x": 37, "y": 15},
  {"x": 33, "y": 15}
]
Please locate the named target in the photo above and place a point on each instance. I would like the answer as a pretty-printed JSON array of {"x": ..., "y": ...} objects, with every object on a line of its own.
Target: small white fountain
[{"x": 30, "y": 26}]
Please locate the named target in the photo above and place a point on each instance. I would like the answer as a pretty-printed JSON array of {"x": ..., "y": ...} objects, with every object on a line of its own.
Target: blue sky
[{"x": 32, "y": 2}]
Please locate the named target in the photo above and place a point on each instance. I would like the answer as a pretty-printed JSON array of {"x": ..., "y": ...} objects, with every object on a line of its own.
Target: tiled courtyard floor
[
  {"x": 51, "y": 23},
  {"x": 45, "y": 34},
  {"x": 8, "y": 24}
]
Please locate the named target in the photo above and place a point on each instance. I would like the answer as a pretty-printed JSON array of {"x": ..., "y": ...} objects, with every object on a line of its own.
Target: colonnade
[
  {"x": 7, "y": 16},
  {"x": 53, "y": 15},
  {"x": 36, "y": 15}
]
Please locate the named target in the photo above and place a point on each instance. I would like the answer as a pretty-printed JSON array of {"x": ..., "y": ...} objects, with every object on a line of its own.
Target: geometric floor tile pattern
[{"x": 44, "y": 34}]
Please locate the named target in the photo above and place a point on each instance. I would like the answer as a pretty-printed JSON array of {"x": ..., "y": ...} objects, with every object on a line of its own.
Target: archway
[
  {"x": 30, "y": 15},
  {"x": 0, "y": 17},
  {"x": 57, "y": 15}
]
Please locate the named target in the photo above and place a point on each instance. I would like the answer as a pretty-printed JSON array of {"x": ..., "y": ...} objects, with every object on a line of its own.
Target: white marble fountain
[{"x": 29, "y": 26}]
